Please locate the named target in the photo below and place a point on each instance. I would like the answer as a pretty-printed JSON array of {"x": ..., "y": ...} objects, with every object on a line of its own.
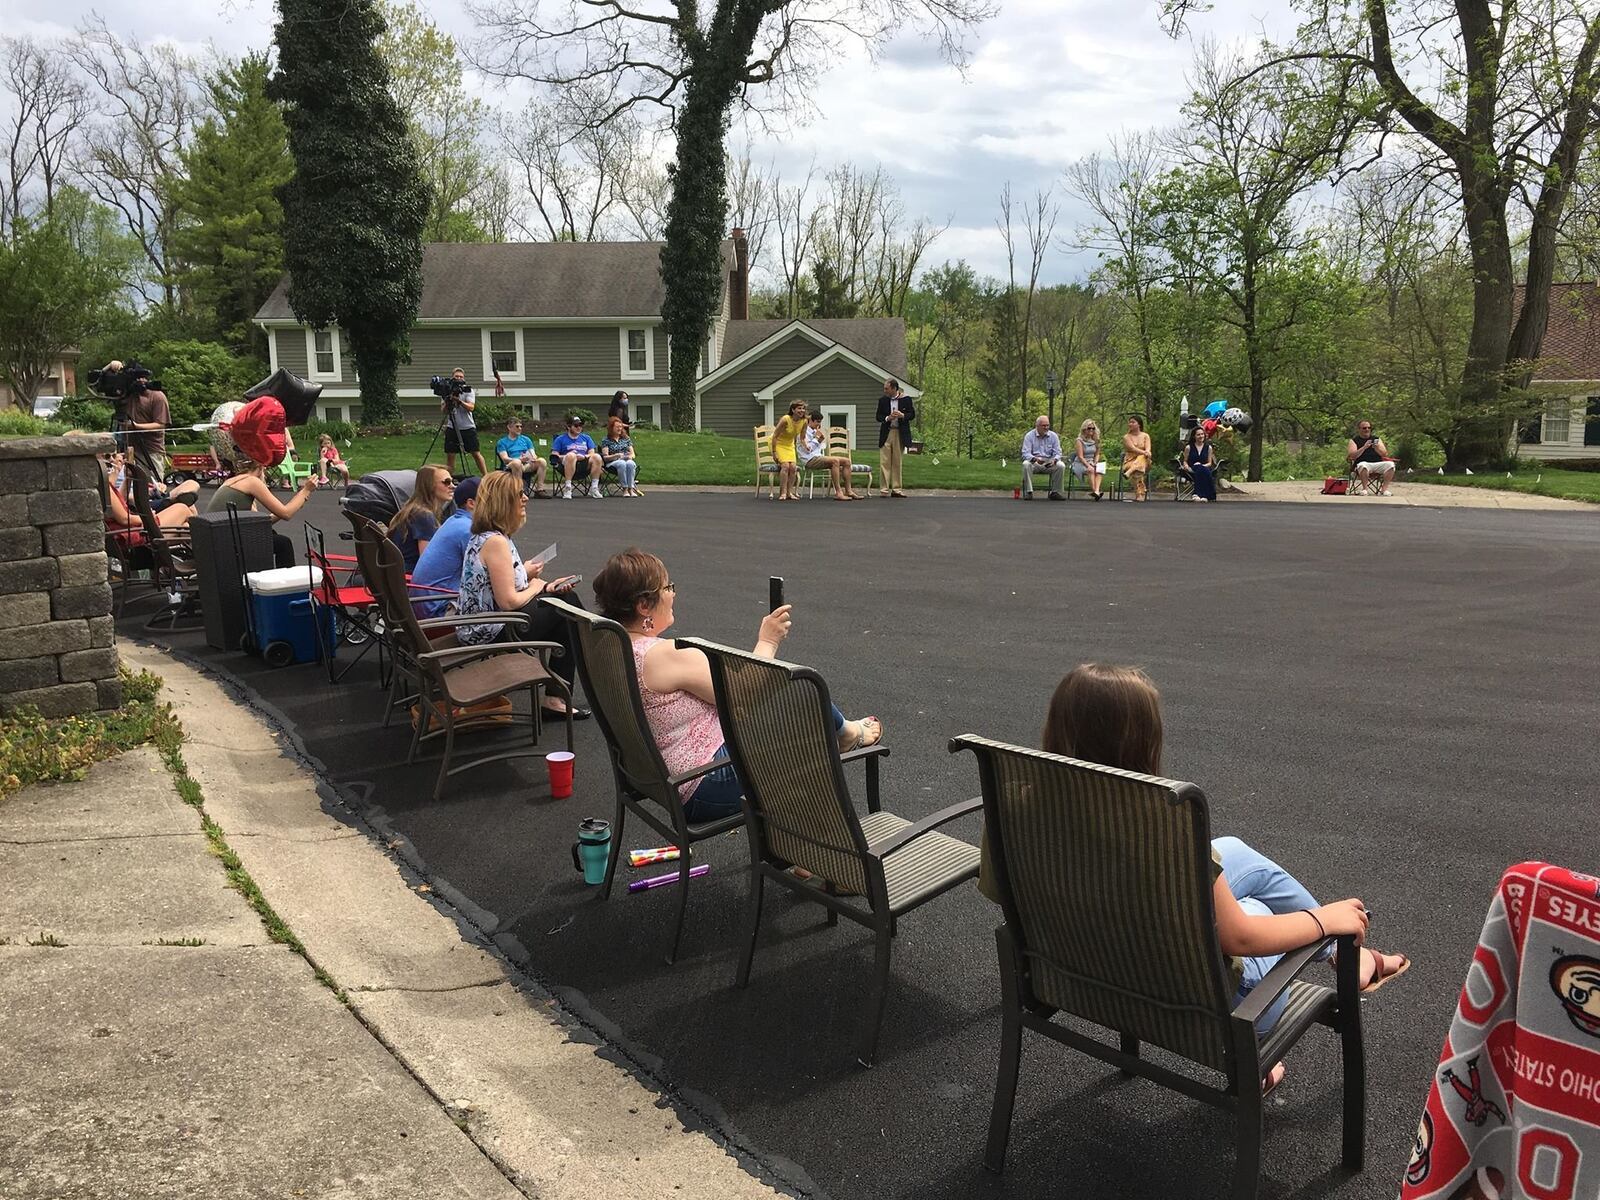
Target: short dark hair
[{"x": 626, "y": 579}]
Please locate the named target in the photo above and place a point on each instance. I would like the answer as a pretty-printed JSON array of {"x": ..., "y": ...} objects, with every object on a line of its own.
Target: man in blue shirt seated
[
  {"x": 515, "y": 452},
  {"x": 1041, "y": 451},
  {"x": 575, "y": 453},
  {"x": 439, "y": 565}
]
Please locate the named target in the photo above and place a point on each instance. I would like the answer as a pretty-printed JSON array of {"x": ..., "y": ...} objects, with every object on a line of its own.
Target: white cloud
[{"x": 1048, "y": 82}]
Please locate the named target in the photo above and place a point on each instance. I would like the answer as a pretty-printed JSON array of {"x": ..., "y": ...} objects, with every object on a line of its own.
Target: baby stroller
[{"x": 378, "y": 496}]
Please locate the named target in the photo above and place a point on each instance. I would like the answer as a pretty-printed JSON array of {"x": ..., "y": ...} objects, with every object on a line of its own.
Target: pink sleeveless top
[{"x": 685, "y": 727}]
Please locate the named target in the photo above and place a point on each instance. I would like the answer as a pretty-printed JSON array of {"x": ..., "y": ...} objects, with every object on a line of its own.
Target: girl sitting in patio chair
[
  {"x": 634, "y": 590},
  {"x": 1112, "y": 716}
]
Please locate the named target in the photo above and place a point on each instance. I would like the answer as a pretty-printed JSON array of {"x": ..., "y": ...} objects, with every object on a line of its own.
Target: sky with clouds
[{"x": 1047, "y": 83}]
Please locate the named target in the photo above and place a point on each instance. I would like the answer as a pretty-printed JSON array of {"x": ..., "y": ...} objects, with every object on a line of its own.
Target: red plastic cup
[
  {"x": 1016, "y": 493},
  {"x": 559, "y": 764}
]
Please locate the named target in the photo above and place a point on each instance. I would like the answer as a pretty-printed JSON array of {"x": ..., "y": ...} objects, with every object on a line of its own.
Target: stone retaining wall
[{"x": 56, "y": 633}]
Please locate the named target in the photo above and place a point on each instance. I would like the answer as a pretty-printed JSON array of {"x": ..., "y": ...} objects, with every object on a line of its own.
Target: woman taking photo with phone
[
  {"x": 634, "y": 590},
  {"x": 495, "y": 579}
]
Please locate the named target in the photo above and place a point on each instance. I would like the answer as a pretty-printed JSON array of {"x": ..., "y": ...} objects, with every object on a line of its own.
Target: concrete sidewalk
[
  {"x": 158, "y": 1043},
  {"x": 1406, "y": 494}
]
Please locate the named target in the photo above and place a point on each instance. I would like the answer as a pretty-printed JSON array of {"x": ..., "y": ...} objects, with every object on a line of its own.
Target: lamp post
[{"x": 1050, "y": 390}]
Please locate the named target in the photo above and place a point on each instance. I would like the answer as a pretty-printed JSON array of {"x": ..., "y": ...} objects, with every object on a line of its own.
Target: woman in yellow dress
[
  {"x": 788, "y": 428},
  {"x": 1136, "y": 454}
]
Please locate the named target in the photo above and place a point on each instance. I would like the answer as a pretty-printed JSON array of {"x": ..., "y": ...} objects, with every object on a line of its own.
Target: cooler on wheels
[{"x": 282, "y": 617}]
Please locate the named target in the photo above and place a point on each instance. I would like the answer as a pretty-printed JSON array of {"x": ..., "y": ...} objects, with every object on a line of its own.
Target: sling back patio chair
[
  {"x": 1105, "y": 880},
  {"x": 368, "y": 535},
  {"x": 778, "y": 723},
  {"x": 451, "y": 682},
  {"x": 172, "y": 570},
  {"x": 645, "y": 788}
]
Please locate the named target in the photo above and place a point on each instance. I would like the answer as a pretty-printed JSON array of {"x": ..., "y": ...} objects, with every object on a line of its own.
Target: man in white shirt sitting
[{"x": 1041, "y": 451}]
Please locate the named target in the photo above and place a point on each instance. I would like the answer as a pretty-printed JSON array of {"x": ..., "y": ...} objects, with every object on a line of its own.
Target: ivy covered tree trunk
[
  {"x": 1486, "y": 432},
  {"x": 355, "y": 209},
  {"x": 697, "y": 215}
]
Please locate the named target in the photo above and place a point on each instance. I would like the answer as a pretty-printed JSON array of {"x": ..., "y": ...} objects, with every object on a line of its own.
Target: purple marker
[{"x": 655, "y": 881}]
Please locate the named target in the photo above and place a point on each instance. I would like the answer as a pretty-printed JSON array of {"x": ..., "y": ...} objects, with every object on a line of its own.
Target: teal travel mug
[{"x": 592, "y": 849}]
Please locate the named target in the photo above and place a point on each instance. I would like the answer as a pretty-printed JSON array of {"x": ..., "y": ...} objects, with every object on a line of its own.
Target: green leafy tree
[
  {"x": 232, "y": 224},
  {"x": 356, "y": 207},
  {"x": 58, "y": 277},
  {"x": 198, "y": 376},
  {"x": 447, "y": 125},
  {"x": 694, "y": 63}
]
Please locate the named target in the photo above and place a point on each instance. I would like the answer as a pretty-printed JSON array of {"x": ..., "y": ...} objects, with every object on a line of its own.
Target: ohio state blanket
[{"x": 1514, "y": 1110}]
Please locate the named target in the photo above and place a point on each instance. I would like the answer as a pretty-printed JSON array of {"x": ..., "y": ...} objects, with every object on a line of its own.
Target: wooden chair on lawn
[
  {"x": 872, "y": 869},
  {"x": 839, "y": 447},
  {"x": 645, "y": 788},
  {"x": 449, "y": 682},
  {"x": 766, "y": 464},
  {"x": 1105, "y": 882}
]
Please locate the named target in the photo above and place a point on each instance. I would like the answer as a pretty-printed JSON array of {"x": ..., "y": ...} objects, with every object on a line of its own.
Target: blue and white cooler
[{"x": 280, "y": 603}]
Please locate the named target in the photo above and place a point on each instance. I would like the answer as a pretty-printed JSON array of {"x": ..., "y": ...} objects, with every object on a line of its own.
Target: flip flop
[{"x": 1379, "y": 975}]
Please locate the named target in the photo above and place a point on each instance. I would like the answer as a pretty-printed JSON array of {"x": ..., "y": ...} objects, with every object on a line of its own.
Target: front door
[{"x": 1591, "y": 422}]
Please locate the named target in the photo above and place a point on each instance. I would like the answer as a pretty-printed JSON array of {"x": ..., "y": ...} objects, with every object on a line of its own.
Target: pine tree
[
  {"x": 355, "y": 209},
  {"x": 232, "y": 231}
]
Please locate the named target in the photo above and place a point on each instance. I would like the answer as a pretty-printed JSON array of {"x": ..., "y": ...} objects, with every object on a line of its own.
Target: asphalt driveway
[{"x": 1395, "y": 703}]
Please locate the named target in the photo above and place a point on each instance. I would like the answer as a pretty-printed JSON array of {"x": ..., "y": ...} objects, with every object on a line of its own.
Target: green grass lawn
[
  {"x": 691, "y": 458},
  {"x": 1540, "y": 481}
]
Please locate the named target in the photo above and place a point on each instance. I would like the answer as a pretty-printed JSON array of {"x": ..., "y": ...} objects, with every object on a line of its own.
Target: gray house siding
[
  {"x": 436, "y": 351},
  {"x": 291, "y": 350},
  {"x": 840, "y": 386},
  {"x": 727, "y": 406}
]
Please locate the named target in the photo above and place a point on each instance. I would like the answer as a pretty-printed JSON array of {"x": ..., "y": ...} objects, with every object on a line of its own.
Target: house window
[
  {"x": 644, "y": 414},
  {"x": 1557, "y": 420},
  {"x": 638, "y": 353},
  {"x": 503, "y": 353},
  {"x": 839, "y": 417},
  {"x": 322, "y": 353}
]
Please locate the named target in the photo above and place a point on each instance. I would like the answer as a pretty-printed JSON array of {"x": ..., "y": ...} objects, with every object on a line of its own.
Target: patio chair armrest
[
  {"x": 696, "y": 772},
  {"x": 876, "y": 750},
  {"x": 447, "y": 658},
  {"x": 491, "y": 618},
  {"x": 430, "y": 589},
  {"x": 932, "y": 821},
  {"x": 1277, "y": 980},
  {"x": 869, "y": 755}
]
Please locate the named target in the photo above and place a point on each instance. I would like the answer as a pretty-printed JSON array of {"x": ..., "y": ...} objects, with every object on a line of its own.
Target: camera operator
[
  {"x": 460, "y": 430},
  {"x": 143, "y": 415}
]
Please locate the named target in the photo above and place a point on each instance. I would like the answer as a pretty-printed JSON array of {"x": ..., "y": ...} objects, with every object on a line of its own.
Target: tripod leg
[{"x": 428, "y": 453}]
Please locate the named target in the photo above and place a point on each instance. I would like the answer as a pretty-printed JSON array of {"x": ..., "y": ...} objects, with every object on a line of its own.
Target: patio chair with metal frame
[
  {"x": 645, "y": 788},
  {"x": 172, "y": 571},
  {"x": 451, "y": 682},
  {"x": 778, "y": 722},
  {"x": 1105, "y": 881}
]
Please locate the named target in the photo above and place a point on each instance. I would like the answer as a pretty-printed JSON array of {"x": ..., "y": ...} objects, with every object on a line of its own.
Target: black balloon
[{"x": 298, "y": 396}]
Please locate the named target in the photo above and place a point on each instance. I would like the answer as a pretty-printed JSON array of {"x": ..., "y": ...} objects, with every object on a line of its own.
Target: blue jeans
[
  {"x": 719, "y": 794},
  {"x": 627, "y": 470},
  {"x": 1262, "y": 888}
]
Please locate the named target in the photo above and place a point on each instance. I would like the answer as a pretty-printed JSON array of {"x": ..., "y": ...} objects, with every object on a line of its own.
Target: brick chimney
[{"x": 739, "y": 278}]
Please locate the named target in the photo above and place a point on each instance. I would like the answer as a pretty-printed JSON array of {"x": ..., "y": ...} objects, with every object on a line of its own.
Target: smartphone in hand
[
  {"x": 774, "y": 593},
  {"x": 564, "y": 584}
]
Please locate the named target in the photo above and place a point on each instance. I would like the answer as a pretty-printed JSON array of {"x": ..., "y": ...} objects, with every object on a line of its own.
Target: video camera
[
  {"x": 448, "y": 388},
  {"x": 122, "y": 383}
]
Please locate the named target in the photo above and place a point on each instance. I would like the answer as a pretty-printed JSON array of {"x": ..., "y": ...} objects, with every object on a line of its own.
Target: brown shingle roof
[
  {"x": 879, "y": 340},
  {"x": 1572, "y": 337},
  {"x": 530, "y": 279}
]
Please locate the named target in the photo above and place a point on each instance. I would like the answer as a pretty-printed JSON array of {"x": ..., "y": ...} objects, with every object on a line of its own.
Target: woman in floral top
[{"x": 494, "y": 579}]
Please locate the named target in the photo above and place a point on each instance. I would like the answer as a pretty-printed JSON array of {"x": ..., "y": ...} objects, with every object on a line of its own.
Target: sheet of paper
[{"x": 544, "y": 556}]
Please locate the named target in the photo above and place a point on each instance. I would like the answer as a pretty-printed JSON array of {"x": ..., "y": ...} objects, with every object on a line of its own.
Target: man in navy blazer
[{"x": 895, "y": 414}]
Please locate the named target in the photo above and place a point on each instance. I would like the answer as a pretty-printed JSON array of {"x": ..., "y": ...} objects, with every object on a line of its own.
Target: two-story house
[
  {"x": 567, "y": 324},
  {"x": 1567, "y": 376}
]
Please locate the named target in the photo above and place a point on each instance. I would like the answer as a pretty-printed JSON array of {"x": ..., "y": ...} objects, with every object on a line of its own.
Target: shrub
[
  {"x": 305, "y": 436},
  {"x": 198, "y": 376},
  {"x": 15, "y": 423},
  {"x": 86, "y": 412}
]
